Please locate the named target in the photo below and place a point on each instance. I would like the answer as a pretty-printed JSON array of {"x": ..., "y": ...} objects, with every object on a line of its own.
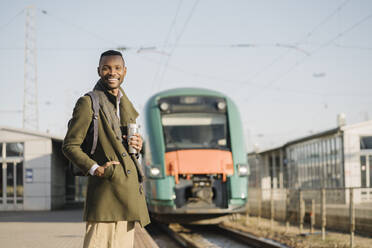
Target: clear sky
[{"x": 290, "y": 65}]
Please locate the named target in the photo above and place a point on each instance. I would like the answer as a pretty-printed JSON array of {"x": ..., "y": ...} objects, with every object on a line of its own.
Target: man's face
[{"x": 112, "y": 71}]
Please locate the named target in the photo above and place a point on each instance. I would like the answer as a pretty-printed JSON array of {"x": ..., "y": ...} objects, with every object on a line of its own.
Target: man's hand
[
  {"x": 100, "y": 171},
  {"x": 135, "y": 141}
]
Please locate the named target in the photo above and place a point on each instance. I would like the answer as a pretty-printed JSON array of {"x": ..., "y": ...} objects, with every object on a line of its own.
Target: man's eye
[{"x": 118, "y": 67}]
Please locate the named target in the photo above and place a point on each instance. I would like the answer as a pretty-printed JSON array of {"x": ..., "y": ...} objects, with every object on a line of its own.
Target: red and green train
[{"x": 195, "y": 157}]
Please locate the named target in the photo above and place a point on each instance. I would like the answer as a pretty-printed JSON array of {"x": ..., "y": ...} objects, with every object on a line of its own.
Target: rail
[{"x": 200, "y": 237}]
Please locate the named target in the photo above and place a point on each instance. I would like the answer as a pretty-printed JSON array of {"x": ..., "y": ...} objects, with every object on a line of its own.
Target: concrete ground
[
  {"x": 52, "y": 229},
  {"x": 45, "y": 229}
]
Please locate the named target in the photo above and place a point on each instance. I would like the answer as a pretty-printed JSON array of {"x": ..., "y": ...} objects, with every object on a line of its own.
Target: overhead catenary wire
[
  {"x": 11, "y": 111},
  {"x": 6, "y": 24},
  {"x": 324, "y": 21},
  {"x": 301, "y": 40},
  {"x": 80, "y": 28},
  {"x": 202, "y": 45},
  {"x": 341, "y": 46},
  {"x": 258, "y": 86},
  {"x": 315, "y": 93},
  {"x": 277, "y": 59},
  {"x": 183, "y": 29},
  {"x": 325, "y": 44},
  {"x": 173, "y": 23},
  {"x": 353, "y": 47},
  {"x": 213, "y": 77},
  {"x": 154, "y": 48}
]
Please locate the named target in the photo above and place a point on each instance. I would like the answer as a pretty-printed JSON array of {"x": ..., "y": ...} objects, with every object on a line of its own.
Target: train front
[{"x": 195, "y": 160}]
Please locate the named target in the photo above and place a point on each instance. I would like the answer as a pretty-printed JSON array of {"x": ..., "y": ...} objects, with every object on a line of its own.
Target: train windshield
[{"x": 195, "y": 131}]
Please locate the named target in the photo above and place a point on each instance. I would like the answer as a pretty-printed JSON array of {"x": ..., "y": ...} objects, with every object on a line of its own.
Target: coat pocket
[{"x": 109, "y": 171}]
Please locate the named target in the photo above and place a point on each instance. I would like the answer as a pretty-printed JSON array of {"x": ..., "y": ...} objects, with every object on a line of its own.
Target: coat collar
[{"x": 128, "y": 114}]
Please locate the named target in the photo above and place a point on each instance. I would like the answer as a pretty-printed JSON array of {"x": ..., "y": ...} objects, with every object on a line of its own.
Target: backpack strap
[{"x": 95, "y": 105}]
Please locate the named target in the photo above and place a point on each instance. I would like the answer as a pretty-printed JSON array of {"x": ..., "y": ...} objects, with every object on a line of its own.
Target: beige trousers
[{"x": 109, "y": 234}]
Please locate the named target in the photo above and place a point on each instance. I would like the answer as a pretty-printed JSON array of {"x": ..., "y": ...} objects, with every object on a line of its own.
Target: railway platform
[{"x": 52, "y": 229}]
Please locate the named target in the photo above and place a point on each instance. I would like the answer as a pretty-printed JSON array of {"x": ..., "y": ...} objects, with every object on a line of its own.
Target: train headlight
[
  {"x": 243, "y": 169},
  {"x": 164, "y": 106},
  {"x": 154, "y": 172},
  {"x": 221, "y": 105}
]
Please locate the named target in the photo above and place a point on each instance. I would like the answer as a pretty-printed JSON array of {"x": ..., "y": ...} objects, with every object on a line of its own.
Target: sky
[{"x": 291, "y": 66}]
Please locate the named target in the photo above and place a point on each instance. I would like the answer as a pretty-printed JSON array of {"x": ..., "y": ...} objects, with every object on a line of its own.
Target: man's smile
[{"x": 113, "y": 80}]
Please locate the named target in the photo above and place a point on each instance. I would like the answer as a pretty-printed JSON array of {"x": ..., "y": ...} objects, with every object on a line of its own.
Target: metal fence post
[
  {"x": 352, "y": 217},
  {"x": 287, "y": 211},
  {"x": 323, "y": 207},
  {"x": 271, "y": 208},
  {"x": 301, "y": 211},
  {"x": 247, "y": 213},
  {"x": 259, "y": 207},
  {"x": 312, "y": 216}
]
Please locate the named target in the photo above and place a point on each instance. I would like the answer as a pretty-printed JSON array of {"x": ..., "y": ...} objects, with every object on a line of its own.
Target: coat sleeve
[{"x": 77, "y": 130}]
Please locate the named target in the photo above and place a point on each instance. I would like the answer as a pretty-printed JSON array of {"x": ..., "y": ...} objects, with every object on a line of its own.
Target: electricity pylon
[{"x": 30, "y": 103}]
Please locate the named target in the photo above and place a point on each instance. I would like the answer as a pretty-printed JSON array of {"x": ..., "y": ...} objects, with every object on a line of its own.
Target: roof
[
  {"x": 30, "y": 132},
  {"x": 302, "y": 139},
  {"x": 267, "y": 150},
  {"x": 357, "y": 125},
  {"x": 314, "y": 136},
  {"x": 330, "y": 132}
]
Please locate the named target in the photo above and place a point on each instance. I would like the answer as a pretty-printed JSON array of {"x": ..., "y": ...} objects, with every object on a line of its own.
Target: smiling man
[{"x": 114, "y": 199}]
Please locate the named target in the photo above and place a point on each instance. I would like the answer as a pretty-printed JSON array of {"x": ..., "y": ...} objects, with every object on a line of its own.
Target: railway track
[
  {"x": 162, "y": 237},
  {"x": 211, "y": 236}
]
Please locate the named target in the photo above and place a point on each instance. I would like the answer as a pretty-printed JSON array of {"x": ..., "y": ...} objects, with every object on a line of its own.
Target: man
[{"x": 114, "y": 199}]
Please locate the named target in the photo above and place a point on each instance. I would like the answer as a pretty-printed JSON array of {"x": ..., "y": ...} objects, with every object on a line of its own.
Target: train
[{"x": 194, "y": 158}]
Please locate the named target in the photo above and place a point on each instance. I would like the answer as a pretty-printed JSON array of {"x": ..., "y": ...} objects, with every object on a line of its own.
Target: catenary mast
[{"x": 30, "y": 103}]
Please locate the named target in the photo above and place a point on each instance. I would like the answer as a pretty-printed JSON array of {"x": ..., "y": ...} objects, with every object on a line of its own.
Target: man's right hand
[{"x": 100, "y": 171}]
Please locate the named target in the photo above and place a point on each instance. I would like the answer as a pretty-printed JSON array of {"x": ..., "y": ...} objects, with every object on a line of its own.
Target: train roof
[{"x": 188, "y": 91}]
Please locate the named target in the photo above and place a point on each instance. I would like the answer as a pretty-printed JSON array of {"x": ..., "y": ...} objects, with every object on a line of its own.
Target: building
[
  {"x": 34, "y": 172},
  {"x": 320, "y": 172},
  {"x": 336, "y": 158}
]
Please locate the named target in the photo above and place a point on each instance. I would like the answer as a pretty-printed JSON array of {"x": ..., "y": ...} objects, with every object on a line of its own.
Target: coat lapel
[{"x": 128, "y": 113}]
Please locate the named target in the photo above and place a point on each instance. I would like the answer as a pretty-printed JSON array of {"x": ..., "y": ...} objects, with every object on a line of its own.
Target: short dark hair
[{"x": 111, "y": 53}]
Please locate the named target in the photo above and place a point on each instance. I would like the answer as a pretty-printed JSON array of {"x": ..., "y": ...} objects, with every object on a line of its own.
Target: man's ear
[
  {"x": 125, "y": 71},
  {"x": 98, "y": 71}
]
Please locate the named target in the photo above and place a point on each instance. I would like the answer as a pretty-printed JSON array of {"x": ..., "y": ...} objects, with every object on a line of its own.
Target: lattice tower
[{"x": 30, "y": 98}]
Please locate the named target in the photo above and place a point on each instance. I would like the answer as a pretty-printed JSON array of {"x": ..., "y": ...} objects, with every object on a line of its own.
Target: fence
[{"x": 341, "y": 209}]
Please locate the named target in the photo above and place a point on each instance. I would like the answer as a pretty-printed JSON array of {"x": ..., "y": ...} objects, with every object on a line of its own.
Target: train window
[
  {"x": 366, "y": 142},
  {"x": 195, "y": 131}
]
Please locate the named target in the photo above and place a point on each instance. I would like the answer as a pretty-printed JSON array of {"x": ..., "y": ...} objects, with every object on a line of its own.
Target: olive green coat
[{"x": 117, "y": 196}]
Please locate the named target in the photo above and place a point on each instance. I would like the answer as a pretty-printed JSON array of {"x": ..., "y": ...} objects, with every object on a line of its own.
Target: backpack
[{"x": 89, "y": 144}]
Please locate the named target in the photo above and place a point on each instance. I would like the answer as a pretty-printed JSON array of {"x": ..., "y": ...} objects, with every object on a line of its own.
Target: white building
[
  {"x": 336, "y": 158},
  {"x": 33, "y": 174}
]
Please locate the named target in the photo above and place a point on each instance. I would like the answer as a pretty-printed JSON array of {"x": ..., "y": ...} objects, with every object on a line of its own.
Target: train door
[{"x": 11, "y": 177}]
